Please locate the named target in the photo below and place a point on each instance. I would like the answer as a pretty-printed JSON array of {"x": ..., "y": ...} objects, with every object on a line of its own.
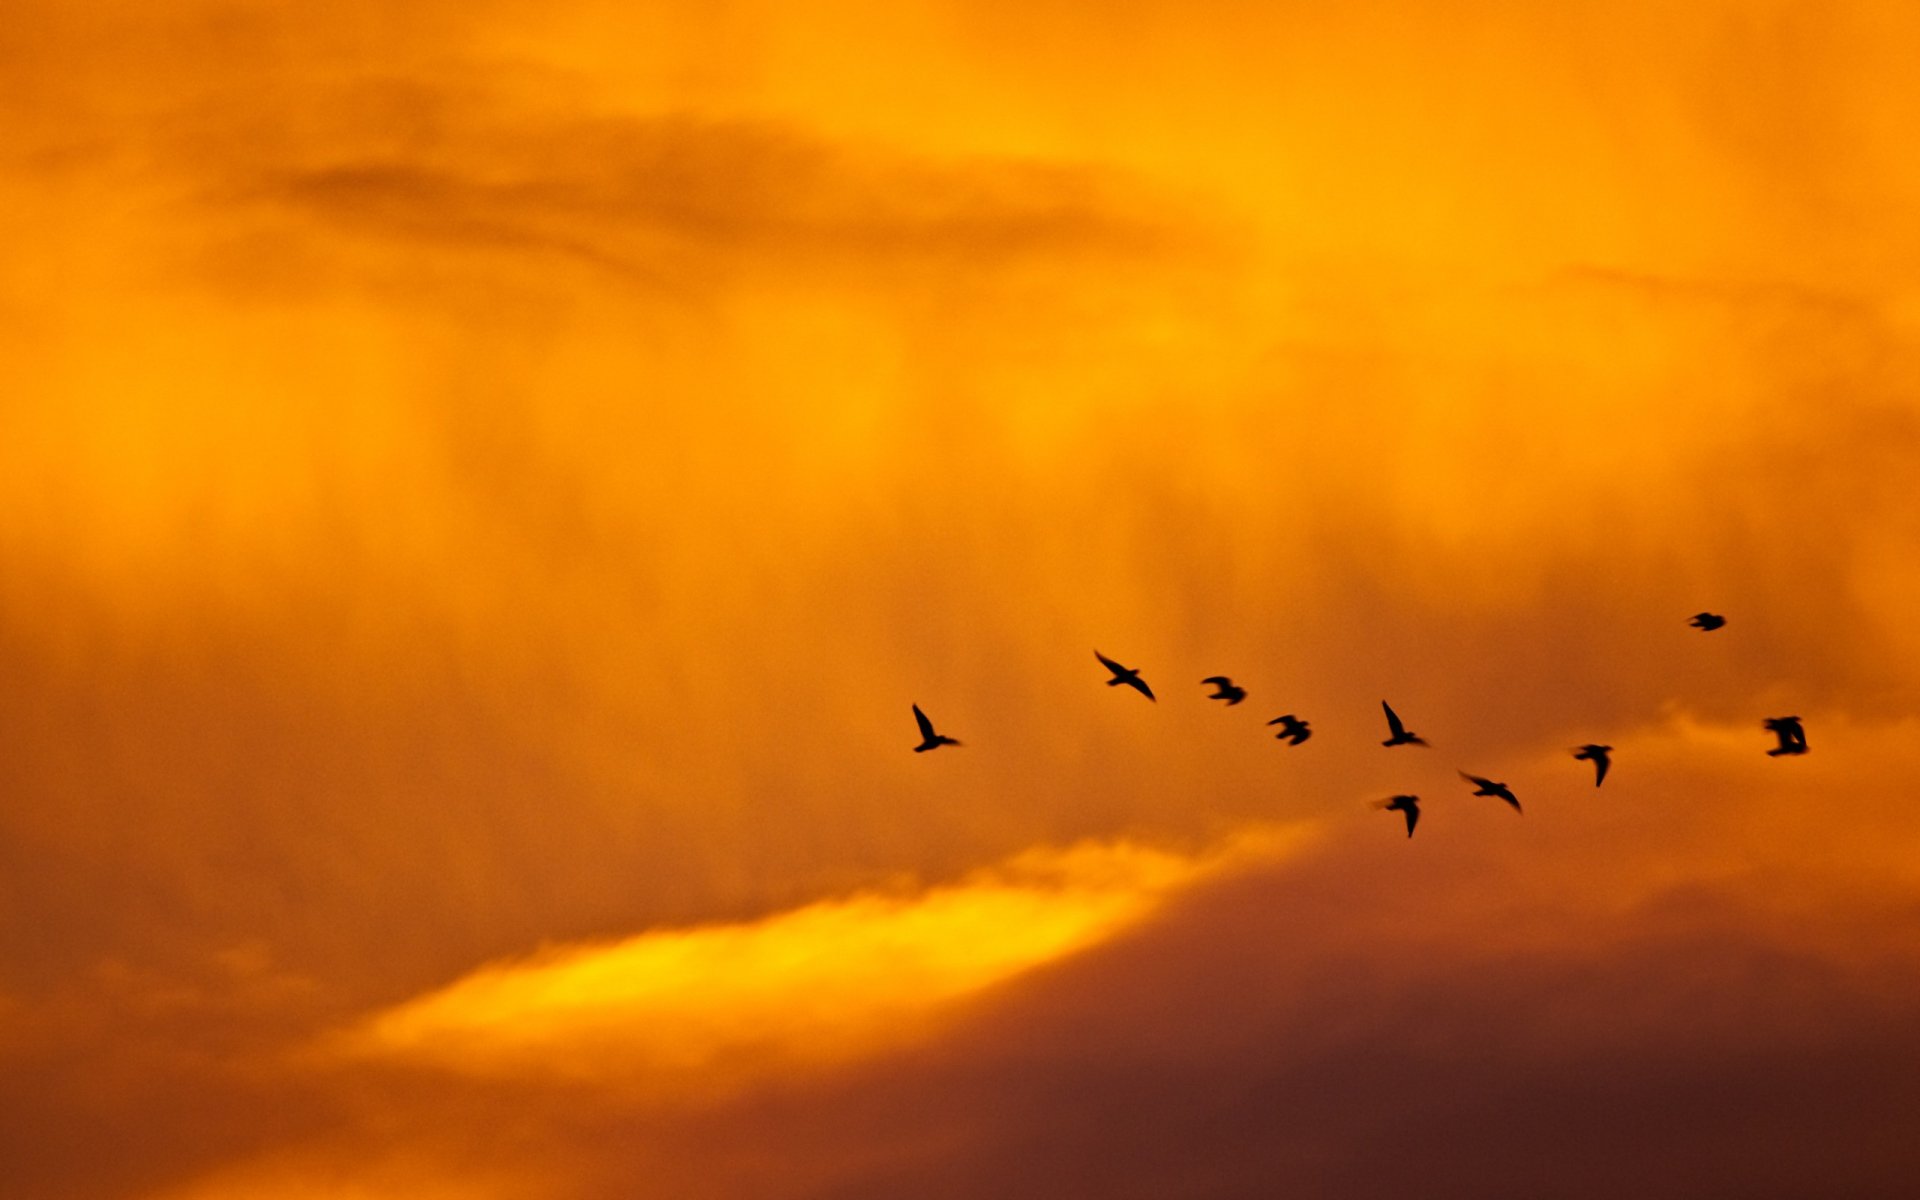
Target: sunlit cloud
[{"x": 698, "y": 1009}]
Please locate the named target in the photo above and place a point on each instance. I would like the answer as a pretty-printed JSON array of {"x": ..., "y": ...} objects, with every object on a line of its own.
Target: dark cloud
[
  {"x": 1355, "y": 1026},
  {"x": 1704, "y": 1066},
  {"x": 745, "y": 188},
  {"x": 1634, "y": 991}
]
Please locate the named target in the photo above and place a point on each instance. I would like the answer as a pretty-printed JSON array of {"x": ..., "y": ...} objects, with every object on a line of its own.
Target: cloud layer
[{"x": 483, "y": 486}]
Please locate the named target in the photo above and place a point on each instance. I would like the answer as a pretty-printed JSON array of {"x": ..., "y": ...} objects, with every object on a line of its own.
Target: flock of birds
[{"x": 1787, "y": 731}]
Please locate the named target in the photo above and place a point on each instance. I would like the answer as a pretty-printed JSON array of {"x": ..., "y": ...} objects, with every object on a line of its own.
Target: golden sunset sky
[{"x": 482, "y": 484}]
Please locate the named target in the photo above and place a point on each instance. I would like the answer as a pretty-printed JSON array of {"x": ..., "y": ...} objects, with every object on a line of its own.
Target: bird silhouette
[
  {"x": 1597, "y": 755},
  {"x": 1293, "y": 729},
  {"x": 1793, "y": 739},
  {"x": 929, "y": 740},
  {"x": 1225, "y": 689},
  {"x": 1409, "y": 805},
  {"x": 1400, "y": 735},
  {"x": 1126, "y": 675},
  {"x": 1487, "y": 787},
  {"x": 1707, "y": 622}
]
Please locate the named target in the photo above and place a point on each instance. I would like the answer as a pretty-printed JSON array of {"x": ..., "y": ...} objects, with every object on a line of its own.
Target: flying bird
[
  {"x": 1293, "y": 729},
  {"x": 1487, "y": 787},
  {"x": 1707, "y": 622},
  {"x": 1225, "y": 689},
  {"x": 1409, "y": 805},
  {"x": 1793, "y": 739},
  {"x": 1597, "y": 755},
  {"x": 929, "y": 740},
  {"x": 1400, "y": 735},
  {"x": 1126, "y": 675}
]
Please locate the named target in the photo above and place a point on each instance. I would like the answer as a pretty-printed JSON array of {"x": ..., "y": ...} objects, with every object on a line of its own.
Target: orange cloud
[
  {"x": 491, "y": 476},
  {"x": 697, "y": 1011}
]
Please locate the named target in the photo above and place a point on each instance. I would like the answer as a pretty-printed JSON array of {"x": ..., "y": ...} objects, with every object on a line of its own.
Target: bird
[
  {"x": 1126, "y": 675},
  {"x": 1487, "y": 787},
  {"x": 1409, "y": 805},
  {"x": 1225, "y": 689},
  {"x": 1793, "y": 739},
  {"x": 1294, "y": 730},
  {"x": 1400, "y": 735},
  {"x": 1707, "y": 622},
  {"x": 929, "y": 740},
  {"x": 1597, "y": 755}
]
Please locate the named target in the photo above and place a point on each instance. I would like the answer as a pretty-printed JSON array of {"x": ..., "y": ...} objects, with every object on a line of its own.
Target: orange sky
[{"x": 481, "y": 486}]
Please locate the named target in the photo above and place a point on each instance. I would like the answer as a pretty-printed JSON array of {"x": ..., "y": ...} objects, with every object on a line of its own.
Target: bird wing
[
  {"x": 1413, "y": 817},
  {"x": 926, "y": 726},
  {"x": 1475, "y": 780},
  {"x": 1599, "y": 768},
  {"x": 1134, "y": 681},
  {"x": 1109, "y": 664},
  {"x": 1393, "y": 720},
  {"x": 1219, "y": 679}
]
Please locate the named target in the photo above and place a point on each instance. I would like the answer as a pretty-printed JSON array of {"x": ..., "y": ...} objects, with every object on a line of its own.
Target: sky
[{"x": 482, "y": 486}]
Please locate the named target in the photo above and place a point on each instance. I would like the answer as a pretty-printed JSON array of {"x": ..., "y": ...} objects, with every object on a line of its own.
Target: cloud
[
  {"x": 492, "y": 477},
  {"x": 1680, "y": 983},
  {"x": 601, "y": 188},
  {"x": 707, "y": 1009},
  {"x": 1643, "y": 992},
  {"x": 682, "y": 1021}
]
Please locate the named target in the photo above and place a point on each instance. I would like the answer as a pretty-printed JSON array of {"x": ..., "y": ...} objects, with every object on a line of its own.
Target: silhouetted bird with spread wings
[
  {"x": 1409, "y": 805},
  {"x": 1597, "y": 755},
  {"x": 929, "y": 740},
  {"x": 1487, "y": 787},
  {"x": 1126, "y": 675},
  {"x": 1399, "y": 731},
  {"x": 1707, "y": 622},
  {"x": 1225, "y": 689},
  {"x": 1793, "y": 739},
  {"x": 1293, "y": 729}
]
